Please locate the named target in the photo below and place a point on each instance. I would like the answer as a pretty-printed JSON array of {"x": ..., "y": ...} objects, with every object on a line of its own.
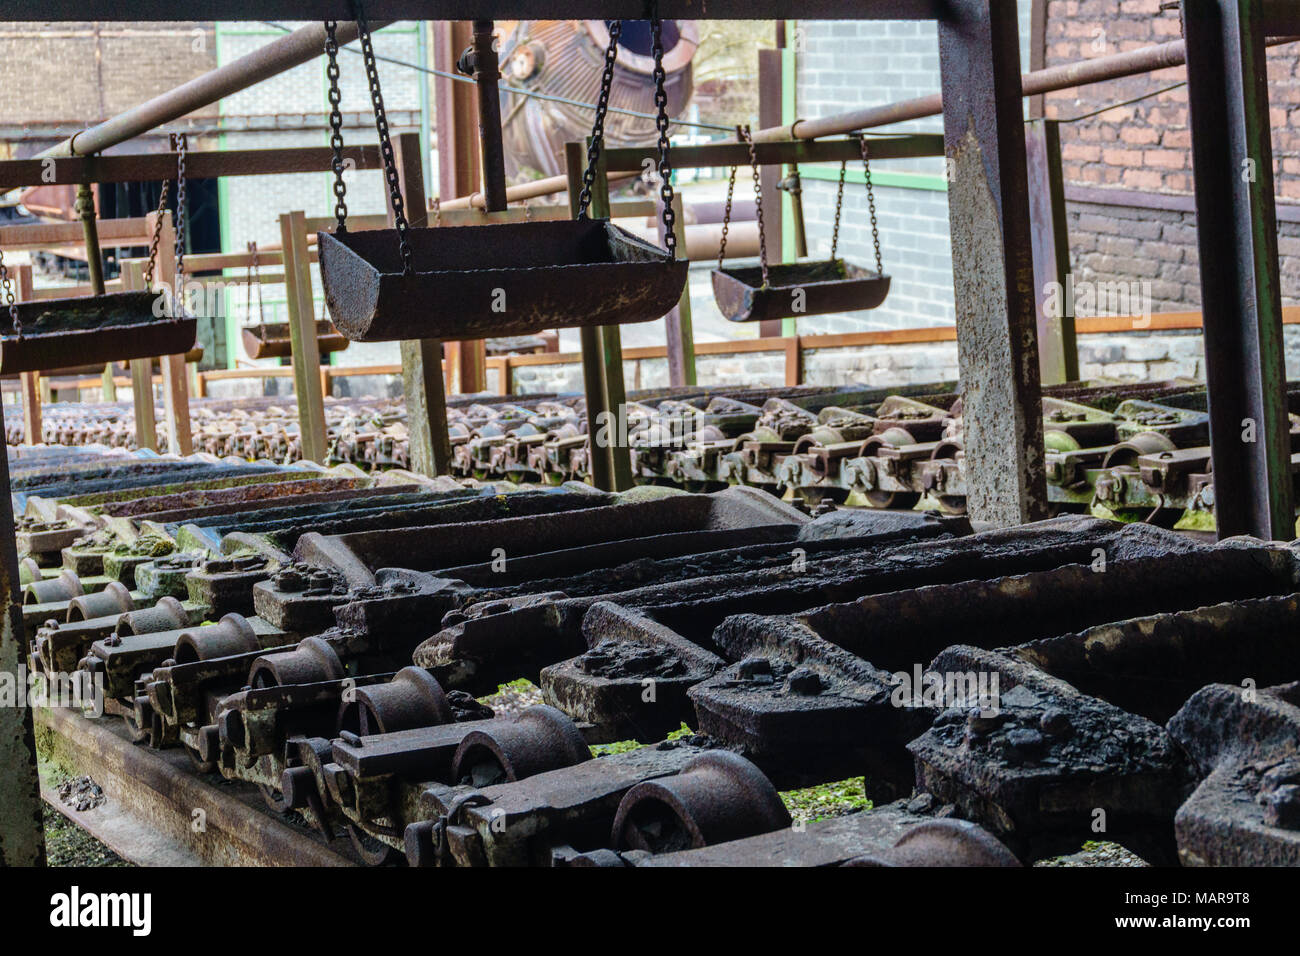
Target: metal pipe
[
  {"x": 263, "y": 63},
  {"x": 1061, "y": 77},
  {"x": 486, "y": 75},
  {"x": 529, "y": 190},
  {"x": 90, "y": 229}
]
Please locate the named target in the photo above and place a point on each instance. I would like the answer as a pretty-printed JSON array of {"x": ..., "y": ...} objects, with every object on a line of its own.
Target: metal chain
[
  {"x": 597, "y": 140},
  {"x": 179, "y": 139},
  {"x": 726, "y": 217},
  {"x": 254, "y": 279},
  {"x": 385, "y": 144},
  {"x": 7, "y": 284},
  {"x": 871, "y": 203},
  {"x": 336, "y": 124},
  {"x": 661, "y": 123},
  {"x": 839, "y": 206},
  {"x": 758, "y": 202},
  {"x": 152, "y": 264}
]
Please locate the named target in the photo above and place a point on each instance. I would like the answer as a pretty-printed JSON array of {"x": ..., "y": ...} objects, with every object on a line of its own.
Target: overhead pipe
[
  {"x": 1049, "y": 80},
  {"x": 290, "y": 50}
]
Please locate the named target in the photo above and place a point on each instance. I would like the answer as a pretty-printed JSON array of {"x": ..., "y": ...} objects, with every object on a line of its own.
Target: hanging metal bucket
[
  {"x": 272, "y": 340},
  {"x": 94, "y": 330},
  {"x": 796, "y": 288},
  {"x": 487, "y": 281}
]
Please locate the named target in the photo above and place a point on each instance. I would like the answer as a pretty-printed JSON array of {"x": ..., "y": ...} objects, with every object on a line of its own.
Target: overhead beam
[
  {"x": 199, "y": 164},
  {"x": 159, "y": 10}
]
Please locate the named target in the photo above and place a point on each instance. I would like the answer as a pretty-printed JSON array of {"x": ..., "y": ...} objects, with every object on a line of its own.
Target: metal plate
[
  {"x": 827, "y": 285},
  {"x": 93, "y": 329},
  {"x": 511, "y": 279}
]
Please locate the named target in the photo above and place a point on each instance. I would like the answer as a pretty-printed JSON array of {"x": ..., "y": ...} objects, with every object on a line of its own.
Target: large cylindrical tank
[{"x": 565, "y": 58}]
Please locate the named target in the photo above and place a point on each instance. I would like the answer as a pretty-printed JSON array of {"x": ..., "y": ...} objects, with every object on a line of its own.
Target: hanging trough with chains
[
  {"x": 472, "y": 282},
  {"x": 98, "y": 329},
  {"x": 810, "y": 287}
]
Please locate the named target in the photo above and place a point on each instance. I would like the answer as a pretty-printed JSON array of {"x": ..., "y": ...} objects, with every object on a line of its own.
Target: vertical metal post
[
  {"x": 458, "y": 175},
  {"x": 593, "y": 367},
  {"x": 1058, "y": 351},
  {"x": 993, "y": 271},
  {"x": 771, "y": 92},
  {"x": 94, "y": 268},
  {"x": 486, "y": 75},
  {"x": 677, "y": 323},
  {"x": 1245, "y": 368},
  {"x": 611, "y": 344},
  {"x": 31, "y": 381},
  {"x": 176, "y": 388},
  {"x": 22, "y": 832},
  {"x": 146, "y": 425},
  {"x": 302, "y": 336},
  {"x": 422, "y": 381}
]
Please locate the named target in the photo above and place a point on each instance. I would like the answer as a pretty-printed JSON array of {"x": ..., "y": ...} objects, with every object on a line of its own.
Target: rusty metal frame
[{"x": 1245, "y": 366}]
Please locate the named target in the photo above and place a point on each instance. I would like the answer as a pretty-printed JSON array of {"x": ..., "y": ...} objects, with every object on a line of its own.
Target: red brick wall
[{"x": 1146, "y": 147}]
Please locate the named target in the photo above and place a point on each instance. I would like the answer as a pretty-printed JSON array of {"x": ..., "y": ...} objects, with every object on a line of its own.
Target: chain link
[
  {"x": 254, "y": 279},
  {"x": 839, "y": 206},
  {"x": 871, "y": 202},
  {"x": 336, "y": 124},
  {"x": 152, "y": 264},
  {"x": 7, "y": 284},
  {"x": 758, "y": 202},
  {"x": 726, "y": 217},
  {"x": 180, "y": 141},
  {"x": 662, "y": 123},
  {"x": 385, "y": 144},
  {"x": 597, "y": 141}
]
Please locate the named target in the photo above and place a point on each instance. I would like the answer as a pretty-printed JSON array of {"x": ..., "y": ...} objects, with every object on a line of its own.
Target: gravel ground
[
  {"x": 513, "y": 697},
  {"x": 66, "y": 844},
  {"x": 1096, "y": 854}
]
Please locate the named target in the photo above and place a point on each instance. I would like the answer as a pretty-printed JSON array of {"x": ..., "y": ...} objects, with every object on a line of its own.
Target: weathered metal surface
[
  {"x": 97, "y": 329},
  {"x": 558, "y": 274},
  {"x": 717, "y": 797},
  {"x": 1246, "y": 810},
  {"x": 633, "y": 679},
  {"x": 1044, "y": 767},
  {"x": 796, "y": 288},
  {"x": 271, "y": 340},
  {"x": 993, "y": 271},
  {"x": 1245, "y": 369}
]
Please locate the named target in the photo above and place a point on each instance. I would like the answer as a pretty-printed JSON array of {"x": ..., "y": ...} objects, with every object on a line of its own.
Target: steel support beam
[
  {"x": 22, "y": 832},
  {"x": 1058, "y": 351},
  {"x": 146, "y": 425},
  {"x": 1245, "y": 368},
  {"x": 458, "y": 175},
  {"x": 304, "y": 348},
  {"x": 422, "y": 380},
  {"x": 993, "y": 270},
  {"x": 159, "y": 10}
]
